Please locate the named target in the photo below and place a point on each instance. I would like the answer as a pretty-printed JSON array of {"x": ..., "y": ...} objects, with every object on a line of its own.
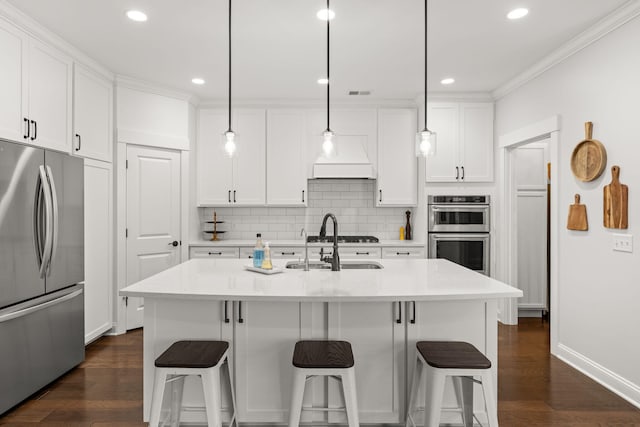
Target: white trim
[
  {"x": 530, "y": 132},
  {"x": 144, "y": 86},
  {"x": 356, "y": 102},
  {"x": 611, "y": 22},
  {"x": 612, "y": 381},
  {"x": 184, "y": 205},
  {"x": 120, "y": 325},
  {"x": 150, "y": 139}
]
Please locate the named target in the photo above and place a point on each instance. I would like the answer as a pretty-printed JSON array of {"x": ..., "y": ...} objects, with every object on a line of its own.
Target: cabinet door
[
  {"x": 92, "y": 114},
  {"x": 378, "y": 344},
  {"x": 476, "y": 142},
  {"x": 98, "y": 243},
  {"x": 264, "y": 343},
  {"x": 249, "y": 161},
  {"x": 397, "y": 163},
  {"x": 286, "y": 154},
  {"x": 50, "y": 100},
  {"x": 213, "y": 252},
  {"x": 12, "y": 108},
  {"x": 443, "y": 118},
  {"x": 214, "y": 168},
  {"x": 403, "y": 252}
]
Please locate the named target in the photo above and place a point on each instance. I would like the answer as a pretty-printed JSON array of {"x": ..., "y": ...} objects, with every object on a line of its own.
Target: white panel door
[
  {"x": 153, "y": 218},
  {"x": 50, "y": 97},
  {"x": 476, "y": 142},
  {"x": 98, "y": 247},
  {"x": 286, "y": 155},
  {"x": 12, "y": 109},
  {"x": 249, "y": 186},
  {"x": 443, "y": 119},
  {"x": 214, "y": 168},
  {"x": 397, "y": 164}
]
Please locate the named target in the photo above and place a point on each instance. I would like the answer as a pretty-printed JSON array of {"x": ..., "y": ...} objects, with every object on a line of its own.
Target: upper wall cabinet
[
  {"x": 92, "y": 113},
  {"x": 35, "y": 91},
  {"x": 286, "y": 154},
  {"x": 465, "y": 142},
  {"x": 397, "y": 164},
  {"x": 237, "y": 181}
]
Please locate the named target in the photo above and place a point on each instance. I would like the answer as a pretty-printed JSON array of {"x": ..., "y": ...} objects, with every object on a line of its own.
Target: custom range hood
[{"x": 350, "y": 160}]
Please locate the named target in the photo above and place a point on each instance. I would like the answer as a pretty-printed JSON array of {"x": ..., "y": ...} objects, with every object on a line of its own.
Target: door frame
[
  {"x": 120, "y": 315},
  {"x": 545, "y": 129}
]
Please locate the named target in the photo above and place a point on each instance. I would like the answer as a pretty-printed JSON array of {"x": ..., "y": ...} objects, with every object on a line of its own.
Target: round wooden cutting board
[{"x": 589, "y": 158}]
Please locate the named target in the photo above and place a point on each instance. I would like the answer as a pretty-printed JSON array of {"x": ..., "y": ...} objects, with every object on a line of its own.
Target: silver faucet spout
[
  {"x": 306, "y": 251},
  {"x": 335, "y": 259}
]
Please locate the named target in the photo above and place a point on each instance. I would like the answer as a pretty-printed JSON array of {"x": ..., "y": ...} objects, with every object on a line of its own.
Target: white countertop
[
  {"x": 297, "y": 243},
  {"x": 399, "y": 280}
]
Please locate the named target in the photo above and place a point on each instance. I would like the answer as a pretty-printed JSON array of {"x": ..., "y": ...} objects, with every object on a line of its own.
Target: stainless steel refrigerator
[{"x": 41, "y": 269}]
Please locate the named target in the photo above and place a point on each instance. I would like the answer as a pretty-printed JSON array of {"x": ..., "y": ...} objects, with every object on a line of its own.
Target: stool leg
[
  {"x": 350, "y": 397},
  {"x": 234, "y": 413},
  {"x": 464, "y": 394},
  {"x": 415, "y": 387},
  {"x": 156, "y": 397},
  {"x": 297, "y": 394},
  {"x": 489, "y": 398},
  {"x": 211, "y": 388},
  {"x": 177, "y": 389},
  {"x": 433, "y": 398}
]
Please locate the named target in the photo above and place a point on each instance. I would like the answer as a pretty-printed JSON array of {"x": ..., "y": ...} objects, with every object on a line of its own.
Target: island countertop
[{"x": 399, "y": 280}]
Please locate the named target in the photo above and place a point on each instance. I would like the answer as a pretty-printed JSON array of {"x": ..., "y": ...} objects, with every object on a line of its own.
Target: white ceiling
[{"x": 279, "y": 46}]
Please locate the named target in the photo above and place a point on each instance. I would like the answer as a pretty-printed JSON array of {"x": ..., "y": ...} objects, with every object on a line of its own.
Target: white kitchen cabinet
[
  {"x": 92, "y": 115},
  {"x": 213, "y": 252},
  {"x": 35, "y": 91},
  {"x": 403, "y": 252},
  {"x": 286, "y": 155},
  {"x": 376, "y": 331},
  {"x": 465, "y": 142},
  {"x": 237, "y": 181},
  {"x": 98, "y": 248},
  {"x": 397, "y": 183}
]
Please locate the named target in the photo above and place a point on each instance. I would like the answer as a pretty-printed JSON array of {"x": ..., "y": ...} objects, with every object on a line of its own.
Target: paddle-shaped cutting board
[
  {"x": 577, "y": 216},
  {"x": 616, "y": 202}
]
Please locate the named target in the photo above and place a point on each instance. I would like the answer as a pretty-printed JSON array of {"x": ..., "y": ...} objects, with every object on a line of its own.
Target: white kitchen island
[{"x": 381, "y": 312}]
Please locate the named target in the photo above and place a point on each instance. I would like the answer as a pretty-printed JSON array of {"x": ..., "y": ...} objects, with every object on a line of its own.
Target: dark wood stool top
[
  {"x": 452, "y": 355},
  {"x": 323, "y": 354},
  {"x": 192, "y": 354}
]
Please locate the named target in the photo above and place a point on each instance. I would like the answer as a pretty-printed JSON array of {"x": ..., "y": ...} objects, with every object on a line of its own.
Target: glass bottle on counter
[
  {"x": 266, "y": 262},
  {"x": 258, "y": 251}
]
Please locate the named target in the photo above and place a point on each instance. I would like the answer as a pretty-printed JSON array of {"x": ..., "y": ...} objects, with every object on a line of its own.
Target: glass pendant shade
[
  {"x": 426, "y": 143},
  {"x": 328, "y": 143},
  {"x": 229, "y": 143}
]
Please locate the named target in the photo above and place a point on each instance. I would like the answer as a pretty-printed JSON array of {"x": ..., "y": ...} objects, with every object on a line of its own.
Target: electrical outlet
[{"x": 623, "y": 242}]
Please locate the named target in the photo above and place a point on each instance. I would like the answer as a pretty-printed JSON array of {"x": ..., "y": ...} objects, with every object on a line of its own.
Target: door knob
[{"x": 174, "y": 243}]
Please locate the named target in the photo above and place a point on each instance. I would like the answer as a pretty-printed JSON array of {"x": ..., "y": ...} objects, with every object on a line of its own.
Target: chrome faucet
[
  {"x": 306, "y": 251},
  {"x": 335, "y": 259}
]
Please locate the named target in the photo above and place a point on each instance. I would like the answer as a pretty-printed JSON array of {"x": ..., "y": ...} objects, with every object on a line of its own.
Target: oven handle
[
  {"x": 459, "y": 236},
  {"x": 458, "y": 208}
]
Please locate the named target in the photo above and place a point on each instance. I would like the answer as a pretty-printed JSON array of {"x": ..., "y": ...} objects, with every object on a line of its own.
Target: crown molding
[
  {"x": 309, "y": 103},
  {"x": 611, "y": 22},
  {"x": 455, "y": 97},
  {"x": 145, "y": 86},
  {"x": 34, "y": 29}
]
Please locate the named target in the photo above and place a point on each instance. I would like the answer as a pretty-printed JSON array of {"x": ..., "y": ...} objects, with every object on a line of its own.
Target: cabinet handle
[
  {"x": 457, "y": 172},
  {"x": 381, "y": 196},
  {"x": 27, "y": 128},
  {"x": 302, "y": 196},
  {"x": 234, "y": 196},
  {"x": 399, "y": 318},
  {"x": 250, "y": 256},
  {"x": 215, "y": 253},
  {"x": 362, "y": 253},
  {"x": 229, "y": 196},
  {"x": 226, "y": 312},
  {"x": 288, "y": 253},
  {"x": 413, "y": 316},
  {"x": 403, "y": 253},
  {"x": 35, "y": 130},
  {"x": 240, "y": 319},
  {"x": 79, "y": 142},
  {"x": 462, "y": 167}
]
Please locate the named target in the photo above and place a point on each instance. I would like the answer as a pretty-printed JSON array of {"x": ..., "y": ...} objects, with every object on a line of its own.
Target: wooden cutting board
[
  {"x": 589, "y": 158},
  {"x": 616, "y": 202},
  {"x": 577, "y": 216}
]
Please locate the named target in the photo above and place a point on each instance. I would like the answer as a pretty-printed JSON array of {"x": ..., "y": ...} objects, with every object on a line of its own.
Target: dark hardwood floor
[{"x": 535, "y": 389}]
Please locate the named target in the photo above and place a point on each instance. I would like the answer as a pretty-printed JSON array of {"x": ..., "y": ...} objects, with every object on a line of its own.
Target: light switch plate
[{"x": 623, "y": 242}]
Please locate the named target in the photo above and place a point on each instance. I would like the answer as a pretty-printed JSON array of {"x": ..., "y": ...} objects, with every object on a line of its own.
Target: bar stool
[
  {"x": 463, "y": 362},
  {"x": 202, "y": 358},
  {"x": 324, "y": 358}
]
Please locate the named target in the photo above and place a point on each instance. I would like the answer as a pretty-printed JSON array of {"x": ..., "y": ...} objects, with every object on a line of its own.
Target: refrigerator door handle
[
  {"x": 37, "y": 307},
  {"x": 54, "y": 220},
  {"x": 48, "y": 204},
  {"x": 37, "y": 222}
]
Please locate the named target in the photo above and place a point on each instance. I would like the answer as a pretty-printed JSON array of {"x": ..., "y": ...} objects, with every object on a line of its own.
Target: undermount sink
[{"x": 344, "y": 265}]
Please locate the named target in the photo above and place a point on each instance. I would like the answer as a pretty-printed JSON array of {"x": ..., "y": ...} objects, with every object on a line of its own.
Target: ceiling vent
[{"x": 360, "y": 92}]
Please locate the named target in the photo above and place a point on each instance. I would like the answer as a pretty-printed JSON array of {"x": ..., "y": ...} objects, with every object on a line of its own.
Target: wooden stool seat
[
  {"x": 192, "y": 354},
  {"x": 323, "y": 354},
  {"x": 452, "y": 355}
]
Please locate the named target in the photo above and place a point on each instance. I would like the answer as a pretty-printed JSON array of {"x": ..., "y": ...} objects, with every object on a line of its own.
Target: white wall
[{"x": 598, "y": 300}]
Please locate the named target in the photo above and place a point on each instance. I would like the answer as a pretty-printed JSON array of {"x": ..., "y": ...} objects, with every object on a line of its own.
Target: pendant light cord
[
  {"x": 425, "y": 64},
  {"x": 229, "y": 130},
  {"x": 328, "y": 59}
]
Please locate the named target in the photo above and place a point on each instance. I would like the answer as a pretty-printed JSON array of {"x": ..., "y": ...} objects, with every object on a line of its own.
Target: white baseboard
[{"x": 612, "y": 381}]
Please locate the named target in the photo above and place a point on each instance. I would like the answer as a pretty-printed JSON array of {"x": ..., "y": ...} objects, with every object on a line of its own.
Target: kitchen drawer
[
  {"x": 402, "y": 252},
  {"x": 288, "y": 252},
  {"x": 213, "y": 252},
  {"x": 347, "y": 253},
  {"x": 246, "y": 253}
]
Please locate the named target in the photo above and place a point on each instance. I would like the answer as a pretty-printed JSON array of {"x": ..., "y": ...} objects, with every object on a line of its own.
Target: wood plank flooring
[{"x": 535, "y": 389}]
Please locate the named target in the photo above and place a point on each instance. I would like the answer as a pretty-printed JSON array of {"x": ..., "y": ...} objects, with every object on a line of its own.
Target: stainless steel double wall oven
[{"x": 459, "y": 230}]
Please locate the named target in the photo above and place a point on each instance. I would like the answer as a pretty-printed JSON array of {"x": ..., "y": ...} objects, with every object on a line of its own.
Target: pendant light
[
  {"x": 229, "y": 137},
  {"x": 425, "y": 139},
  {"x": 328, "y": 137}
]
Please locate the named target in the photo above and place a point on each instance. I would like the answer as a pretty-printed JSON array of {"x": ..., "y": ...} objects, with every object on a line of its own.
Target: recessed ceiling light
[
  {"x": 448, "y": 81},
  {"x": 326, "y": 14},
  {"x": 518, "y": 13},
  {"x": 323, "y": 81},
  {"x": 197, "y": 81},
  {"x": 136, "y": 15}
]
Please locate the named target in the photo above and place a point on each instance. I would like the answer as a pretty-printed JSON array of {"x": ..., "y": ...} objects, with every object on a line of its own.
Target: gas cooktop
[{"x": 343, "y": 239}]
